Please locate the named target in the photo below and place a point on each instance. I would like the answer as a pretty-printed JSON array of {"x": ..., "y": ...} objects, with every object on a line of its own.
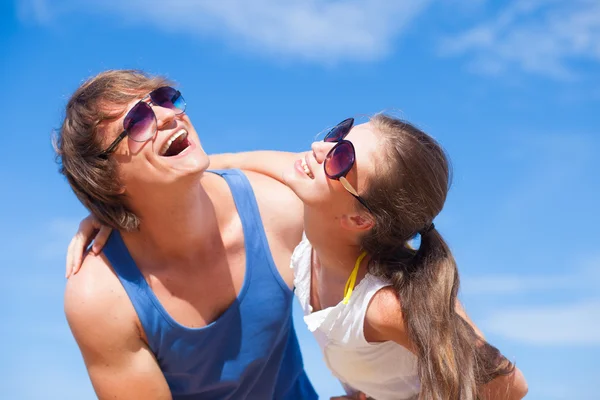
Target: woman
[{"x": 385, "y": 314}]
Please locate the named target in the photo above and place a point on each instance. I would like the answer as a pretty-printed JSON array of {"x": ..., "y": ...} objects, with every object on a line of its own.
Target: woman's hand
[{"x": 89, "y": 229}]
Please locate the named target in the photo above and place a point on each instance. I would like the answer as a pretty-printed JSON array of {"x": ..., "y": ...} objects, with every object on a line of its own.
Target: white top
[{"x": 383, "y": 371}]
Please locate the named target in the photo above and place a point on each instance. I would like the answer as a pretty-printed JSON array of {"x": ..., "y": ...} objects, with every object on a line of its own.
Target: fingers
[
  {"x": 87, "y": 229},
  {"x": 75, "y": 254},
  {"x": 69, "y": 263},
  {"x": 100, "y": 239},
  {"x": 79, "y": 246}
]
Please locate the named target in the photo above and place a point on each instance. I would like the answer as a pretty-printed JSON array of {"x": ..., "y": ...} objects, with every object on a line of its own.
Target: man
[{"x": 191, "y": 297}]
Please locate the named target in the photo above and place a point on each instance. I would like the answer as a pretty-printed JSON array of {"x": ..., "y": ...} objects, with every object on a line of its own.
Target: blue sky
[{"x": 511, "y": 89}]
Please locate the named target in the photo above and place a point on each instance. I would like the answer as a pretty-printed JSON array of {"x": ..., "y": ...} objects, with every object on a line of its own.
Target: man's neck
[{"x": 177, "y": 226}]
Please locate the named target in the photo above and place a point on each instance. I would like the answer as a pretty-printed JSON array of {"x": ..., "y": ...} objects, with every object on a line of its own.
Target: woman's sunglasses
[
  {"x": 341, "y": 158},
  {"x": 140, "y": 123}
]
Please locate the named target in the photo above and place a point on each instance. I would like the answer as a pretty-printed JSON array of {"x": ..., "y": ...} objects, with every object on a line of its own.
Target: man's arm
[
  {"x": 266, "y": 162},
  {"x": 103, "y": 323}
]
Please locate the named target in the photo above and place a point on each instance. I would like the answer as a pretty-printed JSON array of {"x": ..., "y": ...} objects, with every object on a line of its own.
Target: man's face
[{"x": 172, "y": 154}]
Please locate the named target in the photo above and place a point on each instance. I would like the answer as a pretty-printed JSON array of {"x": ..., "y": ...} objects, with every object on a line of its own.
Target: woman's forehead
[
  {"x": 364, "y": 138},
  {"x": 366, "y": 143},
  {"x": 366, "y": 128}
]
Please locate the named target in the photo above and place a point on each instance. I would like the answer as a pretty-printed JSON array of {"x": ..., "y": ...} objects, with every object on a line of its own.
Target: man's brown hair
[{"x": 94, "y": 178}]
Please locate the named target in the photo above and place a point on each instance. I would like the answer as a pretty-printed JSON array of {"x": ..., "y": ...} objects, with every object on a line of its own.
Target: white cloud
[
  {"x": 37, "y": 10},
  {"x": 538, "y": 36},
  {"x": 581, "y": 276},
  {"x": 569, "y": 323},
  {"x": 319, "y": 31},
  {"x": 561, "y": 160},
  {"x": 494, "y": 285},
  {"x": 565, "y": 324}
]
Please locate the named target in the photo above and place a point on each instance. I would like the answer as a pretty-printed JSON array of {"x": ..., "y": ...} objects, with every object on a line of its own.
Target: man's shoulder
[
  {"x": 274, "y": 198},
  {"x": 94, "y": 280},
  {"x": 94, "y": 296},
  {"x": 281, "y": 211},
  {"x": 107, "y": 331}
]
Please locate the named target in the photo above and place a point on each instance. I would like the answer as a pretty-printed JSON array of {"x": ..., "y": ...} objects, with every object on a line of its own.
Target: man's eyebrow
[{"x": 114, "y": 131}]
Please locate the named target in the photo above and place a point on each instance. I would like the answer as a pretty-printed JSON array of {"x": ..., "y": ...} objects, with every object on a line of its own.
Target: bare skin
[
  {"x": 105, "y": 324},
  {"x": 383, "y": 321},
  {"x": 189, "y": 247}
]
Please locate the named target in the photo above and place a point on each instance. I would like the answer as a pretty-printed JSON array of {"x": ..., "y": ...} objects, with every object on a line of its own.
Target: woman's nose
[{"x": 320, "y": 150}]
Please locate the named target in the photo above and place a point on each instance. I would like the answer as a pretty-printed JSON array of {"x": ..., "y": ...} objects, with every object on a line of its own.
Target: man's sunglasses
[
  {"x": 341, "y": 158},
  {"x": 140, "y": 123}
]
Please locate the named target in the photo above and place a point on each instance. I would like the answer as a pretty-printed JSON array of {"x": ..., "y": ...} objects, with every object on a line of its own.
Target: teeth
[
  {"x": 169, "y": 142},
  {"x": 306, "y": 169}
]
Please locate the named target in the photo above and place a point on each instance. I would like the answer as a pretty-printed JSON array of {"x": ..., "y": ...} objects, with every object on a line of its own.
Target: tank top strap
[
  {"x": 136, "y": 287},
  {"x": 153, "y": 317},
  {"x": 258, "y": 252},
  {"x": 245, "y": 202}
]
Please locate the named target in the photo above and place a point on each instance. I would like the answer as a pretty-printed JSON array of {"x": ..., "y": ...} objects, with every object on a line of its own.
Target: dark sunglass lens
[
  {"x": 339, "y": 131},
  {"x": 140, "y": 122},
  {"x": 168, "y": 97},
  {"x": 339, "y": 160}
]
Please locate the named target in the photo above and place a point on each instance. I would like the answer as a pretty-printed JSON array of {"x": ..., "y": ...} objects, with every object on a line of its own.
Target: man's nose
[{"x": 164, "y": 116}]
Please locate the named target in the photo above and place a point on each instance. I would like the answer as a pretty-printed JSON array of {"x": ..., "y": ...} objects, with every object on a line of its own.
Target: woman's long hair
[{"x": 407, "y": 193}]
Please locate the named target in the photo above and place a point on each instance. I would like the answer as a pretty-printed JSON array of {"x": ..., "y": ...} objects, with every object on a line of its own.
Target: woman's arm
[
  {"x": 266, "y": 162},
  {"x": 384, "y": 322},
  {"x": 509, "y": 387},
  {"x": 269, "y": 163}
]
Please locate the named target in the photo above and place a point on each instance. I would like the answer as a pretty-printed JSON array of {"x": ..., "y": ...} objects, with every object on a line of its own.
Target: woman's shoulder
[
  {"x": 385, "y": 307},
  {"x": 384, "y": 318}
]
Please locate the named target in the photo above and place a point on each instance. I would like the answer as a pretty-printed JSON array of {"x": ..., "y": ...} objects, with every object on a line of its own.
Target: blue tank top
[{"x": 251, "y": 351}]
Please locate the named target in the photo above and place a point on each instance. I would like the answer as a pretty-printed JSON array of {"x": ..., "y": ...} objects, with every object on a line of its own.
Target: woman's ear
[{"x": 357, "y": 222}]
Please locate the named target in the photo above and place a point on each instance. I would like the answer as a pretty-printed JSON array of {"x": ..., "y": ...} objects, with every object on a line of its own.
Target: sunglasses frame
[
  {"x": 144, "y": 101},
  {"x": 341, "y": 177}
]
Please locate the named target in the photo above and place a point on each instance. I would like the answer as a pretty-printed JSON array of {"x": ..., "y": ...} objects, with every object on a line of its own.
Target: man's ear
[{"x": 357, "y": 222}]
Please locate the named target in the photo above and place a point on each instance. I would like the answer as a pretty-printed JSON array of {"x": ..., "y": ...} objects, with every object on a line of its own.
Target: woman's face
[{"x": 326, "y": 196}]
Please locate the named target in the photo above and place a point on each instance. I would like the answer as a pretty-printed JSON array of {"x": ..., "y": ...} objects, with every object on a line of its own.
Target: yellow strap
[{"x": 352, "y": 279}]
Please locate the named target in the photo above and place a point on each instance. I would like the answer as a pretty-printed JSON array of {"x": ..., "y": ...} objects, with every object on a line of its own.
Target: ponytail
[
  {"x": 407, "y": 192},
  {"x": 452, "y": 360}
]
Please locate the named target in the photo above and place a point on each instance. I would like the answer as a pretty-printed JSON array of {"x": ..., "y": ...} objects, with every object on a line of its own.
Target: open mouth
[
  {"x": 176, "y": 144},
  {"x": 306, "y": 169}
]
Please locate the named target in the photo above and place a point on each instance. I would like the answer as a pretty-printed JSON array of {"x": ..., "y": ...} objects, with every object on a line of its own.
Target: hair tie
[{"x": 427, "y": 229}]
